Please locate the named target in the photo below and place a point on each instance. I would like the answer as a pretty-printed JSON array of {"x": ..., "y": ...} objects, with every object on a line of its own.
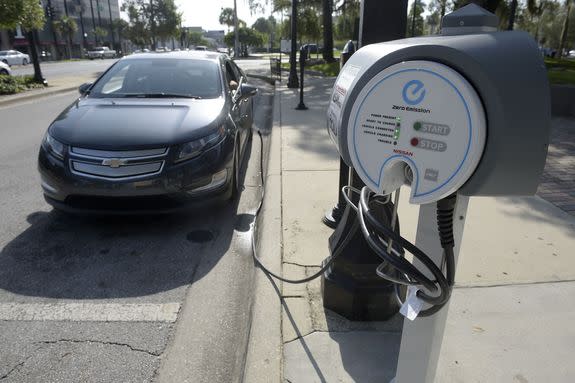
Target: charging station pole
[{"x": 421, "y": 339}]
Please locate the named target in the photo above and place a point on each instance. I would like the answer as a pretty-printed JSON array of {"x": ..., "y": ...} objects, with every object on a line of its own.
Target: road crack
[
  {"x": 6, "y": 375},
  {"x": 101, "y": 342}
]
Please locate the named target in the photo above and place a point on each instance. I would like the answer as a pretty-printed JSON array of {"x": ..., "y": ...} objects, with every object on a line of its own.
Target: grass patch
[
  {"x": 327, "y": 69},
  {"x": 17, "y": 84},
  {"x": 560, "y": 71}
]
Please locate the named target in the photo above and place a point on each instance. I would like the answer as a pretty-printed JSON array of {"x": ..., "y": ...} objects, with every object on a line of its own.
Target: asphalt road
[
  {"x": 88, "y": 68},
  {"x": 51, "y": 70},
  {"x": 119, "y": 299}
]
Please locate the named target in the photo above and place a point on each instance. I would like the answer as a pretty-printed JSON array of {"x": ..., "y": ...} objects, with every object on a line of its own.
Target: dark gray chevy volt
[{"x": 153, "y": 133}]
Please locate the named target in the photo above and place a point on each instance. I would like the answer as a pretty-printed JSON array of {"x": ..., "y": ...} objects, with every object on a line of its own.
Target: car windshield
[{"x": 160, "y": 77}]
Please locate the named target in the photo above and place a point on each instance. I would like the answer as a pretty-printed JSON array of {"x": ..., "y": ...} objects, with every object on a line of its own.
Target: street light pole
[
  {"x": 236, "y": 31},
  {"x": 292, "y": 79}
]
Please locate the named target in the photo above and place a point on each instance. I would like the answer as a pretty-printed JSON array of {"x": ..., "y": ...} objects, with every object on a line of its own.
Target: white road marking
[{"x": 90, "y": 312}]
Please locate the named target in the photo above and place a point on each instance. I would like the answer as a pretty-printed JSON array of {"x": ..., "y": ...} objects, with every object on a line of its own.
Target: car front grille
[{"x": 115, "y": 164}]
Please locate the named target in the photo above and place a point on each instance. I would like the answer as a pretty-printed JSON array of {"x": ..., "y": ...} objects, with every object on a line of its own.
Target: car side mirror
[
  {"x": 84, "y": 88},
  {"x": 247, "y": 91}
]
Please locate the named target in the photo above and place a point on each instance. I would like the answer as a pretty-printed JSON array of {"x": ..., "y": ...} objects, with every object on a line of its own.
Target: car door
[
  {"x": 235, "y": 109},
  {"x": 244, "y": 105}
]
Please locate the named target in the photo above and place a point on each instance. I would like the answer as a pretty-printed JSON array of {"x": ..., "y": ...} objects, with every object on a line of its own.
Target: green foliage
[
  {"x": 27, "y": 13},
  {"x": 66, "y": 26},
  {"x": 151, "y": 19},
  {"x": 100, "y": 33},
  {"x": 248, "y": 38},
  {"x": 17, "y": 84},
  {"x": 419, "y": 9},
  {"x": 227, "y": 17},
  {"x": 348, "y": 13},
  {"x": 561, "y": 71}
]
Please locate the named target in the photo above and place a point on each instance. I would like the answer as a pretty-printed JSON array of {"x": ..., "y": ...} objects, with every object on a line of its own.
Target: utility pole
[
  {"x": 83, "y": 47},
  {"x": 236, "y": 31},
  {"x": 293, "y": 81}
]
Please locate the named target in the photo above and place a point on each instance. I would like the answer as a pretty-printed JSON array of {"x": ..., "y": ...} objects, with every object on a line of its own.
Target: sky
[{"x": 205, "y": 13}]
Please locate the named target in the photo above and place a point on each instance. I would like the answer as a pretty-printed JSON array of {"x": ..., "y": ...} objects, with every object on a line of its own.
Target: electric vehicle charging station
[{"x": 461, "y": 114}]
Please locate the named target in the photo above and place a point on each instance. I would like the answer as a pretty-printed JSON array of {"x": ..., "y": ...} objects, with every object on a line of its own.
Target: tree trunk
[
  {"x": 512, "y": 12},
  {"x": 328, "y": 31},
  {"x": 565, "y": 30},
  {"x": 34, "y": 53}
]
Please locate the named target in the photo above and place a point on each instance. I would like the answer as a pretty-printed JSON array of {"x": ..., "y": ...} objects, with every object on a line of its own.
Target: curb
[
  {"x": 28, "y": 97},
  {"x": 268, "y": 79},
  {"x": 265, "y": 347}
]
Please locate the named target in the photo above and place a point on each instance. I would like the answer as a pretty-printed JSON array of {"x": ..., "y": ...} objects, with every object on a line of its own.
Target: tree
[
  {"x": 30, "y": 16},
  {"x": 415, "y": 21},
  {"x": 121, "y": 26},
  {"x": 535, "y": 9},
  {"x": 152, "y": 19},
  {"x": 327, "y": 15},
  {"x": 227, "y": 17},
  {"x": 66, "y": 27},
  {"x": 248, "y": 38},
  {"x": 100, "y": 33}
]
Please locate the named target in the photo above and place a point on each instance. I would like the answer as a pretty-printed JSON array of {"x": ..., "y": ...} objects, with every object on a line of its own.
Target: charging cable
[{"x": 388, "y": 245}]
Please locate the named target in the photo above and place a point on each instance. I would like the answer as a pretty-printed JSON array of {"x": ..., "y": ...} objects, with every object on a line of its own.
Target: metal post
[
  {"x": 236, "y": 32},
  {"x": 421, "y": 339},
  {"x": 302, "y": 58},
  {"x": 292, "y": 79},
  {"x": 333, "y": 216}
]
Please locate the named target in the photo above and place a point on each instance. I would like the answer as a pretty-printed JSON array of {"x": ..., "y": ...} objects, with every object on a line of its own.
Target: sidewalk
[
  {"x": 511, "y": 312},
  {"x": 55, "y": 86}
]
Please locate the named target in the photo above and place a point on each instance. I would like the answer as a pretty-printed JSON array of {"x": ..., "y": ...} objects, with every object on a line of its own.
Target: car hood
[{"x": 115, "y": 124}]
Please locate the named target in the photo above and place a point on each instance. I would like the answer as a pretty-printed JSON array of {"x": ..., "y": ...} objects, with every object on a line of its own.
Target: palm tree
[
  {"x": 66, "y": 27},
  {"x": 327, "y": 9},
  {"x": 100, "y": 33}
]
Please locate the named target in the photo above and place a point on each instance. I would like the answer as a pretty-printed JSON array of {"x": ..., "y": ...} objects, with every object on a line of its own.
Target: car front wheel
[
  {"x": 3, "y": 72},
  {"x": 24, "y": 61}
]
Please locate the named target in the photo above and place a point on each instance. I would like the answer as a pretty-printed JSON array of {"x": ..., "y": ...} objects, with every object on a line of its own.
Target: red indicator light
[{"x": 414, "y": 141}]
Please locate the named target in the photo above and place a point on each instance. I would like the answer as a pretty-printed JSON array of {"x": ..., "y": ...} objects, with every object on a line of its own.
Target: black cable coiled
[{"x": 376, "y": 232}]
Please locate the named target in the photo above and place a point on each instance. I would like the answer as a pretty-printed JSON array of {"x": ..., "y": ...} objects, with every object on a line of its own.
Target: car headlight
[
  {"x": 194, "y": 148},
  {"x": 53, "y": 146}
]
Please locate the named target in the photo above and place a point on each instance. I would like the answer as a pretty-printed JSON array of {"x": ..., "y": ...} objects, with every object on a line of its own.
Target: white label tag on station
[
  {"x": 412, "y": 305},
  {"x": 340, "y": 88}
]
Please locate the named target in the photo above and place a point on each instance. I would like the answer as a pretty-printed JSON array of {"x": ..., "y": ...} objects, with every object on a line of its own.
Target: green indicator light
[{"x": 417, "y": 126}]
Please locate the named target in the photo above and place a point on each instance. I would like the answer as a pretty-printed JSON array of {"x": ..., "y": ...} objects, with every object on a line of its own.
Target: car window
[
  {"x": 116, "y": 81},
  {"x": 231, "y": 74},
  {"x": 3, "y": 53},
  {"x": 155, "y": 77}
]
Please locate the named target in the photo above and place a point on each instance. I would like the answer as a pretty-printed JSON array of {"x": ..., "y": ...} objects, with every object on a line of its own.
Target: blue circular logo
[{"x": 413, "y": 92}]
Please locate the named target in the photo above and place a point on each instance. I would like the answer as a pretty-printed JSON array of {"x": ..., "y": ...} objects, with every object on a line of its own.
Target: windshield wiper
[{"x": 161, "y": 95}]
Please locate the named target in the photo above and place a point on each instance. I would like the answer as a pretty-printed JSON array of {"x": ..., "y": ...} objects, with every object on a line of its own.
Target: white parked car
[
  {"x": 14, "y": 58},
  {"x": 101, "y": 53},
  {"x": 5, "y": 69}
]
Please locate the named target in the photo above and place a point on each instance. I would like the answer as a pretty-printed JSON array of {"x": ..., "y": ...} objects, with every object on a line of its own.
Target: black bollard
[
  {"x": 333, "y": 216},
  {"x": 302, "y": 59}
]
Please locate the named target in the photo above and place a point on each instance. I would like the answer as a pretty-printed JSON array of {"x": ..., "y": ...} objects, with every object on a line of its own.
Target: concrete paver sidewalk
[{"x": 511, "y": 311}]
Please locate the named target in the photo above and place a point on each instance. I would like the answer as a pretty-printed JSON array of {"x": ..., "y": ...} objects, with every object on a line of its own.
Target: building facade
[{"x": 95, "y": 21}]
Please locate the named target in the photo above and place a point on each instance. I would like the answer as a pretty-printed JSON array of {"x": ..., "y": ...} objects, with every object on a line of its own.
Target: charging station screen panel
[{"x": 425, "y": 115}]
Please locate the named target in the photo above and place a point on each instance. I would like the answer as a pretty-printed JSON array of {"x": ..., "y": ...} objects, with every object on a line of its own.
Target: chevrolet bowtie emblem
[{"x": 113, "y": 162}]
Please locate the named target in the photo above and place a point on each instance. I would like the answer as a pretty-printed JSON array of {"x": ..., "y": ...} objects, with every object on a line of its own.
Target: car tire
[
  {"x": 5, "y": 62},
  {"x": 4, "y": 72},
  {"x": 24, "y": 61}
]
